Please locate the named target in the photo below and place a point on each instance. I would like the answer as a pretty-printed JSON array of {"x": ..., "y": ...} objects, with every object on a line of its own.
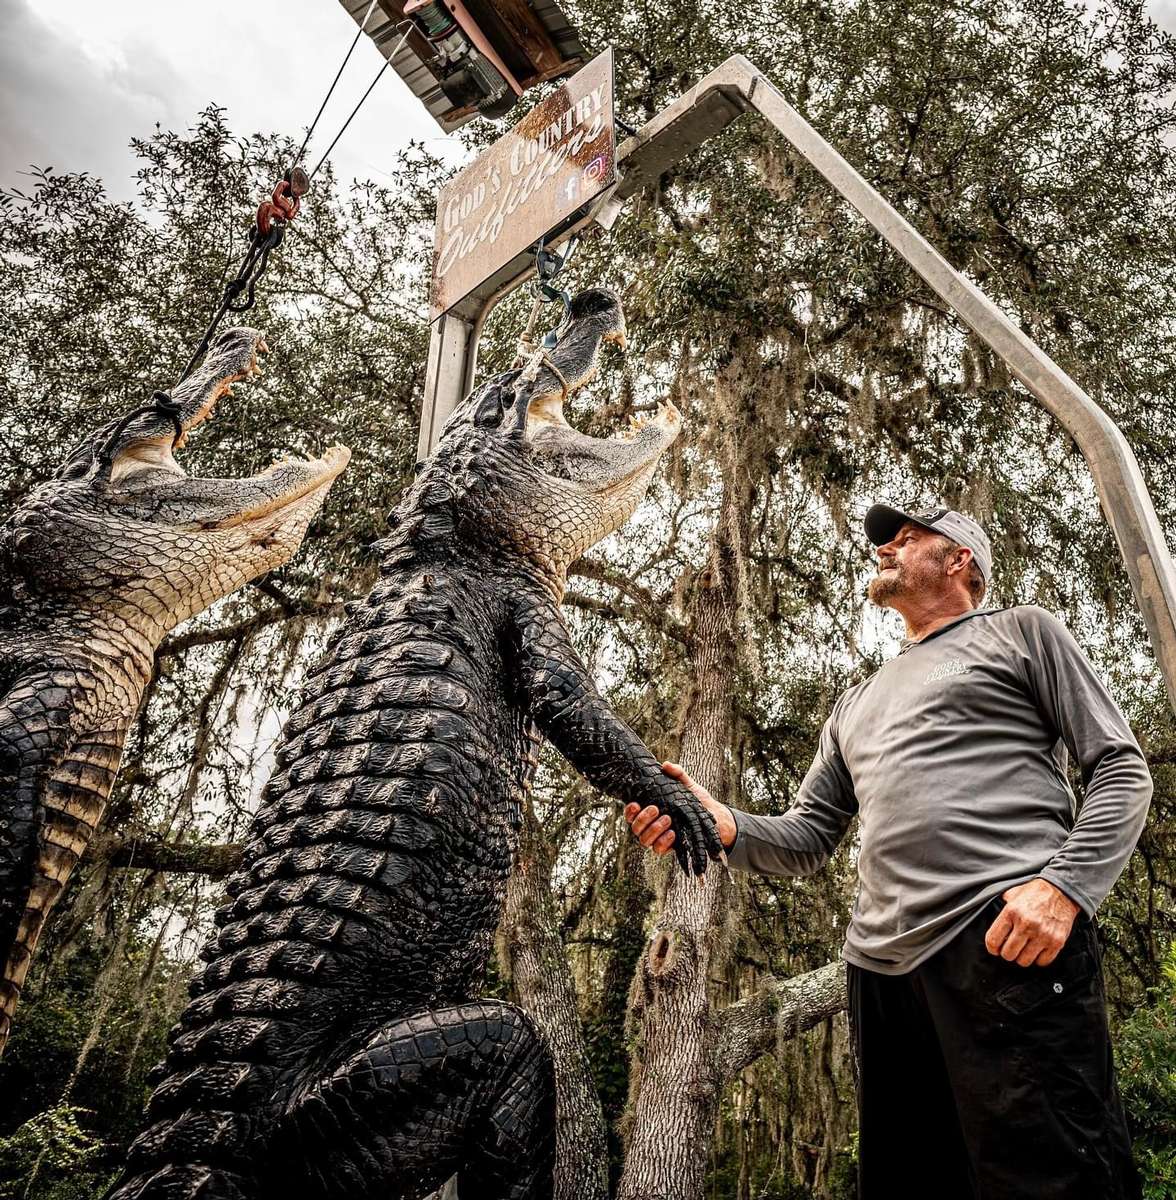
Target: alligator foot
[{"x": 466, "y": 1090}]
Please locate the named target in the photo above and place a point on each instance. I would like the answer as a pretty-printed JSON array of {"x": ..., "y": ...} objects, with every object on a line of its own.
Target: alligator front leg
[
  {"x": 467, "y": 1089},
  {"x": 578, "y": 721}
]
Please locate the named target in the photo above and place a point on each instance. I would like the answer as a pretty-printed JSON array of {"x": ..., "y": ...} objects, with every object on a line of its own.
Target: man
[{"x": 975, "y": 990}]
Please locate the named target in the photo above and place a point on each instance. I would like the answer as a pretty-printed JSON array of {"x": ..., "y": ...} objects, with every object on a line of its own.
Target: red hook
[{"x": 283, "y": 205}]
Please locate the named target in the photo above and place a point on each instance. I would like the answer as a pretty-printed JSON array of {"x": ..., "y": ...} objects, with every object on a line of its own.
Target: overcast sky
[{"x": 80, "y": 78}]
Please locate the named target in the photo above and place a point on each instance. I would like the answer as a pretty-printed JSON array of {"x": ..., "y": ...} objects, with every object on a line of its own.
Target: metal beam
[{"x": 738, "y": 86}]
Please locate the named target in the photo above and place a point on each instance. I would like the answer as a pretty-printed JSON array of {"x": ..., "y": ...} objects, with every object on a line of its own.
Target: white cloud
[
  {"x": 1163, "y": 12},
  {"x": 79, "y": 79}
]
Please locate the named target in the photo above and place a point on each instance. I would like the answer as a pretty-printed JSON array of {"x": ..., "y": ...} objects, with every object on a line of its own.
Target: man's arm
[
  {"x": 1038, "y": 916},
  {"x": 797, "y": 843},
  {"x": 1075, "y": 701}
]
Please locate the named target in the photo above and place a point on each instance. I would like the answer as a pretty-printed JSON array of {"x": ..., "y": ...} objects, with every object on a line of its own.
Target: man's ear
[{"x": 960, "y": 560}]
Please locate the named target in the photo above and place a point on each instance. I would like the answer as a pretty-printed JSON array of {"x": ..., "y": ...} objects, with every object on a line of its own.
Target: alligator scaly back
[{"x": 333, "y": 1045}]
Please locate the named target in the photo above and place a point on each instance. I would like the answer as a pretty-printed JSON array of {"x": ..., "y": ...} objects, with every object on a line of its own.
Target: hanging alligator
[
  {"x": 333, "y": 1045},
  {"x": 96, "y": 566}
]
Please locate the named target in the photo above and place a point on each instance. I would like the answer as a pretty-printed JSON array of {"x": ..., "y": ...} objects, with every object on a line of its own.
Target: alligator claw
[{"x": 697, "y": 837}]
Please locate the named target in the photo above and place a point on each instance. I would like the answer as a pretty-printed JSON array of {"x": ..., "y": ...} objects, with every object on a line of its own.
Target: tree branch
[
  {"x": 260, "y": 620},
  {"x": 780, "y": 1010},
  {"x": 176, "y": 858},
  {"x": 647, "y": 606}
]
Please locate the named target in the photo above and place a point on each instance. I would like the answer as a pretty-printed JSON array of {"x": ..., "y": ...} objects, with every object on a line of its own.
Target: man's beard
[{"x": 886, "y": 585}]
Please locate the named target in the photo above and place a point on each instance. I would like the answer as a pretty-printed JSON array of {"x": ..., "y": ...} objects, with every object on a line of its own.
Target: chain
[
  {"x": 266, "y": 236},
  {"x": 548, "y": 265}
]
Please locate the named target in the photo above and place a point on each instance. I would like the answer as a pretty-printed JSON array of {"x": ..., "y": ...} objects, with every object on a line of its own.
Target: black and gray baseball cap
[{"x": 883, "y": 522}]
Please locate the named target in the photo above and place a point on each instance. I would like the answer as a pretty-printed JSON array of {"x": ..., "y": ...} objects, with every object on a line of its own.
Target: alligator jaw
[
  {"x": 215, "y": 504},
  {"x": 600, "y": 464},
  {"x": 223, "y": 386},
  {"x": 551, "y": 378},
  {"x": 295, "y": 479},
  {"x": 231, "y": 359}
]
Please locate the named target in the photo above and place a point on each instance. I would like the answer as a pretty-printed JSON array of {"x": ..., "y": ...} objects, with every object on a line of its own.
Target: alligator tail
[{"x": 199, "y": 1142}]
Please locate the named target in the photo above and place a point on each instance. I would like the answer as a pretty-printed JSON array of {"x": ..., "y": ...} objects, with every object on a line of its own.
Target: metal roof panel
[{"x": 383, "y": 29}]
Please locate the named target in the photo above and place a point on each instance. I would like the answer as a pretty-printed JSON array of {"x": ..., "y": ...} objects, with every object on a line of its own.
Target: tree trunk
[
  {"x": 632, "y": 899},
  {"x": 532, "y": 955},
  {"x": 674, "y": 1087},
  {"x": 687, "y": 1052}
]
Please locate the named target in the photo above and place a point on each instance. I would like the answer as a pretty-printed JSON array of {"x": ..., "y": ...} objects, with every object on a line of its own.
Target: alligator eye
[
  {"x": 76, "y": 470},
  {"x": 489, "y": 410}
]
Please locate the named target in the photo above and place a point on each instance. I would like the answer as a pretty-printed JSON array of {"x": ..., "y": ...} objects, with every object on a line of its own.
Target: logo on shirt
[{"x": 945, "y": 669}]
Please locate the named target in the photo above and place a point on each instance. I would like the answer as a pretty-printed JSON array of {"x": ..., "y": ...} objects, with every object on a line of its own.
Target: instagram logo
[{"x": 596, "y": 169}]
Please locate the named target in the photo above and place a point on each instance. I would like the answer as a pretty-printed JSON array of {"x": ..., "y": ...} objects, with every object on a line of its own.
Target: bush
[
  {"x": 1146, "y": 1053},
  {"x": 51, "y": 1156}
]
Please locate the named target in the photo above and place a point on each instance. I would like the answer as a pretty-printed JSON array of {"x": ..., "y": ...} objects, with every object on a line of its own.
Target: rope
[
  {"x": 527, "y": 338},
  {"x": 250, "y": 271},
  {"x": 266, "y": 236},
  {"x": 542, "y": 358},
  {"x": 273, "y": 214},
  {"x": 161, "y": 402}
]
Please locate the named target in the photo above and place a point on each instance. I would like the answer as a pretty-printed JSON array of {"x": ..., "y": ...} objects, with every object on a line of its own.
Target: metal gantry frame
[{"x": 717, "y": 100}]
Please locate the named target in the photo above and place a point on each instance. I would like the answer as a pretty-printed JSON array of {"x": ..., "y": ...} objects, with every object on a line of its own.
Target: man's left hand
[{"x": 1034, "y": 924}]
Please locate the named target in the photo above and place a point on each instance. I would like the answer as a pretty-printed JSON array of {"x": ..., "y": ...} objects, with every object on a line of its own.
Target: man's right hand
[{"x": 654, "y": 832}]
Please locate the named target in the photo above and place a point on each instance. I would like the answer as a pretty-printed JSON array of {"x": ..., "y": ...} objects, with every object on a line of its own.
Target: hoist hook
[
  {"x": 283, "y": 204},
  {"x": 548, "y": 265}
]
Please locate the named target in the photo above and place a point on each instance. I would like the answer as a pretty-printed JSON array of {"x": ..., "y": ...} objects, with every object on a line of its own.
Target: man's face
[{"x": 911, "y": 566}]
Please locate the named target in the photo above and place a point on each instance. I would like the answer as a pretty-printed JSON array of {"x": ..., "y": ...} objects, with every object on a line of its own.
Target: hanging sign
[{"x": 556, "y": 160}]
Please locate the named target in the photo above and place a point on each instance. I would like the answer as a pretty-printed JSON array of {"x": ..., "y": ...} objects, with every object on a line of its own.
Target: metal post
[
  {"x": 452, "y": 355},
  {"x": 738, "y": 86},
  {"x": 1121, "y": 489}
]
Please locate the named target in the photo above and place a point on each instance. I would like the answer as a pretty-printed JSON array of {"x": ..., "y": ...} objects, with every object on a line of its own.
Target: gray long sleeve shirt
[{"x": 953, "y": 756}]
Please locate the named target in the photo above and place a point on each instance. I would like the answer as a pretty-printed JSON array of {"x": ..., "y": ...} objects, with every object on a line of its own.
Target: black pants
[{"x": 982, "y": 1080}]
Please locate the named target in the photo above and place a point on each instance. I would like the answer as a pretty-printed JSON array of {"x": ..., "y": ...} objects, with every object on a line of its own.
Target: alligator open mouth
[
  {"x": 549, "y": 410},
  {"x": 223, "y": 387},
  {"x": 233, "y": 358},
  {"x": 619, "y": 464},
  {"x": 546, "y": 405}
]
